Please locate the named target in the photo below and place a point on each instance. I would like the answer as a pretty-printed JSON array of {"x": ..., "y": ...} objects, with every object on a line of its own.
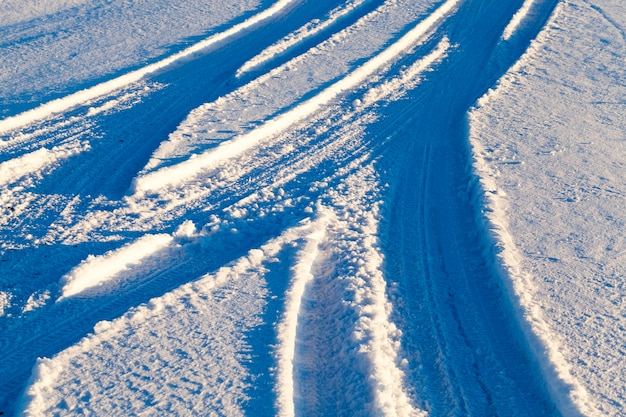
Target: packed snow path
[{"x": 280, "y": 219}]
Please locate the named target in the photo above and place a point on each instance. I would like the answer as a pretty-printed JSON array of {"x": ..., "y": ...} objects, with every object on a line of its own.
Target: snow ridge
[
  {"x": 299, "y": 35},
  {"x": 283, "y": 295},
  {"x": 517, "y": 19},
  {"x": 189, "y": 324},
  {"x": 96, "y": 270},
  {"x": 287, "y": 330},
  {"x": 567, "y": 392},
  {"x": 569, "y": 395},
  {"x": 37, "y": 161}
]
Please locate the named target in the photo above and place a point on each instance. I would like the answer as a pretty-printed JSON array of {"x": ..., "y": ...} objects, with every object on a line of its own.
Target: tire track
[
  {"x": 478, "y": 343},
  {"x": 63, "y": 104}
]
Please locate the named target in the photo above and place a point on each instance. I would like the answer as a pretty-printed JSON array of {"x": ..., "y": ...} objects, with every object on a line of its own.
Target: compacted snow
[{"x": 291, "y": 207}]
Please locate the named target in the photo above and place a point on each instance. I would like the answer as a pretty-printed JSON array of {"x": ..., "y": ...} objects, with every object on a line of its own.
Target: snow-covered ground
[
  {"x": 293, "y": 207},
  {"x": 550, "y": 141}
]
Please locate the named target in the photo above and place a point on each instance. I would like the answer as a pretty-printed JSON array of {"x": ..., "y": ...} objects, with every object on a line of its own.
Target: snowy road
[{"x": 277, "y": 216}]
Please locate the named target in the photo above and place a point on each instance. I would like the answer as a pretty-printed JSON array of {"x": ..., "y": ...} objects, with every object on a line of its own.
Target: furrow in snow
[
  {"x": 310, "y": 29},
  {"x": 569, "y": 394},
  {"x": 170, "y": 176},
  {"x": 566, "y": 390},
  {"x": 200, "y": 363},
  {"x": 63, "y": 104},
  {"x": 286, "y": 164},
  {"x": 257, "y": 101},
  {"x": 76, "y": 125}
]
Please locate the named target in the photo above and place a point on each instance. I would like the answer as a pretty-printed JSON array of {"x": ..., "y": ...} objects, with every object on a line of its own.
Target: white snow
[
  {"x": 36, "y": 300},
  {"x": 5, "y": 302},
  {"x": 287, "y": 329},
  {"x": 50, "y": 48},
  {"x": 310, "y": 29},
  {"x": 15, "y": 11},
  {"x": 208, "y": 160},
  {"x": 517, "y": 19},
  {"x": 35, "y": 162},
  {"x": 96, "y": 270},
  {"x": 181, "y": 353},
  {"x": 312, "y": 238},
  {"x": 550, "y": 150},
  {"x": 83, "y": 96}
]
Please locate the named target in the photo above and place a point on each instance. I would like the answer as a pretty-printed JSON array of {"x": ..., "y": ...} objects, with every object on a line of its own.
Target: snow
[
  {"x": 226, "y": 150},
  {"x": 553, "y": 161},
  {"x": 164, "y": 353},
  {"x": 517, "y": 19},
  {"x": 83, "y": 96},
  {"x": 16, "y": 11},
  {"x": 96, "y": 270},
  {"x": 288, "y": 326},
  {"x": 36, "y": 161},
  {"x": 48, "y": 45},
  {"x": 5, "y": 302},
  {"x": 298, "y": 36},
  {"x": 389, "y": 208}
]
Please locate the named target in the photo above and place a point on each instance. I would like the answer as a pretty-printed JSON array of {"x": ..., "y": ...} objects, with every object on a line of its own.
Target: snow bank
[
  {"x": 569, "y": 395},
  {"x": 355, "y": 245},
  {"x": 549, "y": 152}
]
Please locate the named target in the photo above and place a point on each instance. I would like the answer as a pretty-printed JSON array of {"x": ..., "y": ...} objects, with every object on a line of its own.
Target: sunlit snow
[{"x": 358, "y": 207}]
